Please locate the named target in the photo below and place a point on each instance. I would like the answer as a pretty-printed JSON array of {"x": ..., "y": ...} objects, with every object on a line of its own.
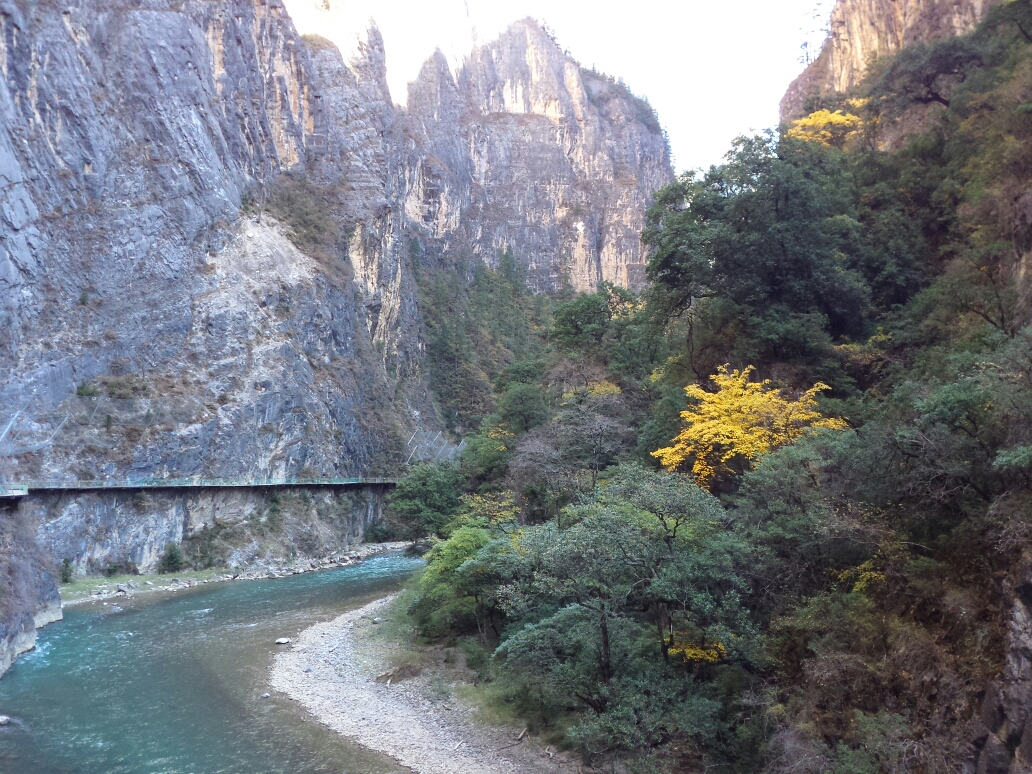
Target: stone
[
  {"x": 992, "y": 708},
  {"x": 283, "y": 641},
  {"x": 995, "y": 758},
  {"x": 264, "y": 696},
  {"x": 4, "y": 720},
  {"x": 377, "y": 620}
]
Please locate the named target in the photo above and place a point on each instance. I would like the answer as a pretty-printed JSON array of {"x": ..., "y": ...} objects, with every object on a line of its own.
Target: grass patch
[{"x": 80, "y": 588}]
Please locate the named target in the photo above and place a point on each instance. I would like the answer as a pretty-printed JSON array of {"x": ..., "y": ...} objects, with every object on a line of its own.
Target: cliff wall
[
  {"x": 526, "y": 149},
  {"x": 861, "y": 31}
]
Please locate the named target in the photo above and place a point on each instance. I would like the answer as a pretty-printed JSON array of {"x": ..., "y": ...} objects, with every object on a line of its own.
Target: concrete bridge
[{"x": 22, "y": 489}]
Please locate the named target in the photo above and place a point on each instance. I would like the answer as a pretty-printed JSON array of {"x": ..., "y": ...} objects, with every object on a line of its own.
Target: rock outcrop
[
  {"x": 28, "y": 589},
  {"x": 235, "y": 528},
  {"x": 861, "y": 31},
  {"x": 525, "y": 149}
]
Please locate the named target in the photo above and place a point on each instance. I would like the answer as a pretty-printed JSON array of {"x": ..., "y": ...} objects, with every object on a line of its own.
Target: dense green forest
[{"x": 763, "y": 515}]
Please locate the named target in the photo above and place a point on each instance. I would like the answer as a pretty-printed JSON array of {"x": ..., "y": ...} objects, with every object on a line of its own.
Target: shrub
[
  {"x": 171, "y": 559},
  {"x": 121, "y": 567},
  {"x": 67, "y": 571}
]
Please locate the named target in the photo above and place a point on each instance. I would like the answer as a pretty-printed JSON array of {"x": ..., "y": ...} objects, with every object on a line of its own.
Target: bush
[
  {"x": 122, "y": 567},
  {"x": 171, "y": 559},
  {"x": 380, "y": 532},
  {"x": 67, "y": 571}
]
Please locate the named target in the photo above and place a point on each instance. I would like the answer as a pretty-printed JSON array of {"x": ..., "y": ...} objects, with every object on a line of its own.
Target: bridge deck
[{"x": 21, "y": 489}]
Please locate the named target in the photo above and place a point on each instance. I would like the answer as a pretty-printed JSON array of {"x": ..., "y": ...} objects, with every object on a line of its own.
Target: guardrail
[{"x": 24, "y": 487}]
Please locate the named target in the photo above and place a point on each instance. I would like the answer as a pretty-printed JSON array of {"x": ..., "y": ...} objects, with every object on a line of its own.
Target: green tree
[
  {"x": 426, "y": 498},
  {"x": 763, "y": 232},
  {"x": 522, "y": 407},
  {"x": 172, "y": 559}
]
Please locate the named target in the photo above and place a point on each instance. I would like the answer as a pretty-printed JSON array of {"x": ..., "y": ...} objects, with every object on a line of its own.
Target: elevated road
[{"x": 23, "y": 488}]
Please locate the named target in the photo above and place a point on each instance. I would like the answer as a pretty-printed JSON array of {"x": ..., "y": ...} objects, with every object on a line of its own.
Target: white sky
[{"x": 713, "y": 69}]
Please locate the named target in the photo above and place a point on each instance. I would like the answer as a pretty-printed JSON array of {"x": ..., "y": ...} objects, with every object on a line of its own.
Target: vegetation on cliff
[{"x": 834, "y": 363}]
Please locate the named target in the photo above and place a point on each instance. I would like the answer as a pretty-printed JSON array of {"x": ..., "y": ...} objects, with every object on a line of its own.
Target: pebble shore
[
  {"x": 147, "y": 583},
  {"x": 331, "y": 670}
]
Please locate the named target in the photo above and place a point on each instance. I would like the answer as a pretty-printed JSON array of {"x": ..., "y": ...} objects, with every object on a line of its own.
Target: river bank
[
  {"x": 102, "y": 589},
  {"x": 331, "y": 670}
]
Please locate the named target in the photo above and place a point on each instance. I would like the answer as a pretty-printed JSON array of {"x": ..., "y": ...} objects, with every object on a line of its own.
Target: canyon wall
[
  {"x": 861, "y": 31},
  {"x": 526, "y": 149}
]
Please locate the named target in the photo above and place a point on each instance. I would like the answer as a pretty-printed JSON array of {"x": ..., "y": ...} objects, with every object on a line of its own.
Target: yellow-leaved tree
[
  {"x": 739, "y": 422},
  {"x": 827, "y": 128}
]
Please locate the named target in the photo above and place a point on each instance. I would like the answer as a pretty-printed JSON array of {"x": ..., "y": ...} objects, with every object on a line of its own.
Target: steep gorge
[{"x": 165, "y": 292}]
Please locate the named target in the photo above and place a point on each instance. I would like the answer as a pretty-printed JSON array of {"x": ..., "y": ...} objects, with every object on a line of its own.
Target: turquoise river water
[{"x": 170, "y": 683}]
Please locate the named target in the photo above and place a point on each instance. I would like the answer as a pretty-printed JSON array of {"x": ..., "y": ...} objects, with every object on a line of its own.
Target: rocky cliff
[
  {"x": 206, "y": 224},
  {"x": 526, "y": 149},
  {"x": 861, "y": 31}
]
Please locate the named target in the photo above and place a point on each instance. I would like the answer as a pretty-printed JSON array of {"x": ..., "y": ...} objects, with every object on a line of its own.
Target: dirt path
[{"x": 331, "y": 670}]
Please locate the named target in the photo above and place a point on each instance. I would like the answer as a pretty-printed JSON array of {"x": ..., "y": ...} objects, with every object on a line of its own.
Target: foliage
[
  {"x": 478, "y": 331},
  {"x": 87, "y": 390},
  {"x": 729, "y": 429},
  {"x": 840, "y": 604},
  {"x": 171, "y": 559},
  {"x": 833, "y": 129},
  {"x": 426, "y": 498},
  {"x": 640, "y": 589},
  {"x": 67, "y": 571},
  {"x": 586, "y": 435},
  {"x": 765, "y": 232},
  {"x": 457, "y": 590}
]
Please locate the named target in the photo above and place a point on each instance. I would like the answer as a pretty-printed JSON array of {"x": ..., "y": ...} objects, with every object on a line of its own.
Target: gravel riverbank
[
  {"x": 141, "y": 584},
  {"x": 331, "y": 670}
]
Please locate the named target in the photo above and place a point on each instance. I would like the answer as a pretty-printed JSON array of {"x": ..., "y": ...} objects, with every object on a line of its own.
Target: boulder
[{"x": 283, "y": 641}]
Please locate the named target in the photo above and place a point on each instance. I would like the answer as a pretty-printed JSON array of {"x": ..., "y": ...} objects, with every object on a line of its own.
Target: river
[{"x": 170, "y": 683}]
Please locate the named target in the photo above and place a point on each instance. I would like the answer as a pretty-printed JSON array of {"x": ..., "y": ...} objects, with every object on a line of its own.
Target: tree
[
  {"x": 730, "y": 428},
  {"x": 764, "y": 234},
  {"x": 629, "y": 608},
  {"x": 426, "y": 498},
  {"x": 457, "y": 591},
  {"x": 522, "y": 406},
  {"x": 833, "y": 129},
  {"x": 172, "y": 559},
  {"x": 926, "y": 74},
  {"x": 584, "y": 322},
  {"x": 567, "y": 454}
]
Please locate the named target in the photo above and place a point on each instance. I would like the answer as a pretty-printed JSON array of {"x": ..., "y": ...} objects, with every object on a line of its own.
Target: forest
[{"x": 769, "y": 513}]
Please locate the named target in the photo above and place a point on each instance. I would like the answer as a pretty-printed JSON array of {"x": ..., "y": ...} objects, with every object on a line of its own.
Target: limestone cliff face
[
  {"x": 526, "y": 149},
  {"x": 863, "y": 30},
  {"x": 132, "y": 135}
]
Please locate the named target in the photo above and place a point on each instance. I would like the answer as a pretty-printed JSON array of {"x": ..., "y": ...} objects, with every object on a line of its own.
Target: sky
[{"x": 712, "y": 69}]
